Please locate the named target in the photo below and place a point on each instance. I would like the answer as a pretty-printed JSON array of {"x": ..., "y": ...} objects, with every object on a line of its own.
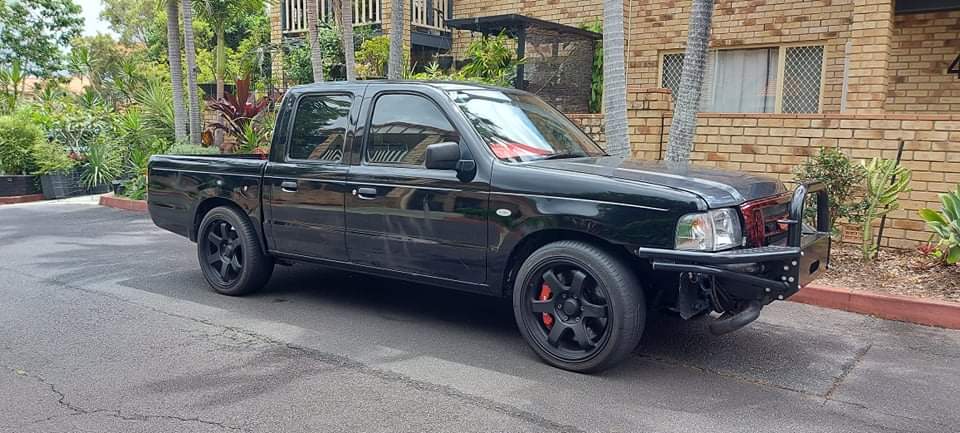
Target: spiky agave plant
[{"x": 886, "y": 179}]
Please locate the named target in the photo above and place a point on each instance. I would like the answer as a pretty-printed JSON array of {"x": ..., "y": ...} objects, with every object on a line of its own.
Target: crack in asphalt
[
  {"x": 339, "y": 361},
  {"x": 845, "y": 370},
  {"x": 113, "y": 413}
]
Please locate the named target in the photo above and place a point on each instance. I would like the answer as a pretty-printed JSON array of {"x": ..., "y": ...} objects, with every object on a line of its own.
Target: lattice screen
[
  {"x": 802, "y": 75},
  {"x": 558, "y": 68},
  {"x": 672, "y": 66}
]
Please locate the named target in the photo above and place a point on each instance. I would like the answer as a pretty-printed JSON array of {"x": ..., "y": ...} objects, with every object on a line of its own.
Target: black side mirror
[{"x": 443, "y": 156}]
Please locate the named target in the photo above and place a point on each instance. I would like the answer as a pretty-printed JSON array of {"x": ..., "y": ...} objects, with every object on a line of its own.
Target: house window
[{"x": 746, "y": 80}]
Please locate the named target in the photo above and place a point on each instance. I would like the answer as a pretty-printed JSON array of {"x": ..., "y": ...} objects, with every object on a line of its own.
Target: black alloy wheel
[
  {"x": 230, "y": 254},
  {"x": 224, "y": 251},
  {"x": 579, "y": 307},
  {"x": 569, "y": 311}
]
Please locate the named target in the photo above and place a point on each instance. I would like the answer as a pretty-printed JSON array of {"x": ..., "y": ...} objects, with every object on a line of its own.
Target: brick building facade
[{"x": 785, "y": 78}]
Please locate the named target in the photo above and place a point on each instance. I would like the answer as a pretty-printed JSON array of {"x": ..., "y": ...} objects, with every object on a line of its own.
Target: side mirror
[{"x": 443, "y": 156}]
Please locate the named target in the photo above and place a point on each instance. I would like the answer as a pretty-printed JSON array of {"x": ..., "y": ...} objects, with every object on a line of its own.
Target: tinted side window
[
  {"x": 402, "y": 128},
  {"x": 319, "y": 127}
]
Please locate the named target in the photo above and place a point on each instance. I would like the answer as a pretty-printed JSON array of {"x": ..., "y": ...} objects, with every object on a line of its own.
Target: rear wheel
[
  {"x": 578, "y": 307},
  {"x": 229, "y": 253}
]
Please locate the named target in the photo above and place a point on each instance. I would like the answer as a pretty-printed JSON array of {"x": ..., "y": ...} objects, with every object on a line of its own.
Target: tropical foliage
[
  {"x": 946, "y": 226},
  {"x": 885, "y": 181},
  {"x": 241, "y": 113}
]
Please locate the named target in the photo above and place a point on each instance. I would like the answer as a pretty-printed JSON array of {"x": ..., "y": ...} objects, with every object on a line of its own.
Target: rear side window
[
  {"x": 319, "y": 128},
  {"x": 403, "y": 126}
]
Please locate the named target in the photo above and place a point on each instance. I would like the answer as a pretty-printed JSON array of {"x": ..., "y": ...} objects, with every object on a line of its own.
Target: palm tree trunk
[
  {"x": 220, "y": 71},
  {"x": 346, "y": 23},
  {"x": 176, "y": 70},
  {"x": 186, "y": 9},
  {"x": 316, "y": 55},
  {"x": 614, "y": 80},
  {"x": 687, "y": 99},
  {"x": 395, "y": 61}
]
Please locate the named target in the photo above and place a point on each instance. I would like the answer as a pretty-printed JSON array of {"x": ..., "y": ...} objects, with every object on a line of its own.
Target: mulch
[{"x": 898, "y": 272}]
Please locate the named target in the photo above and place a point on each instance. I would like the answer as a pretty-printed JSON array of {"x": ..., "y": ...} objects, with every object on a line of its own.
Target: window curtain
[{"x": 742, "y": 81}]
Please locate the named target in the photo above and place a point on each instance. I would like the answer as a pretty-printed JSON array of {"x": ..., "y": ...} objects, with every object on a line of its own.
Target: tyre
[
  {"x": 578, "y": 307},
  {"x": 229, "y": 253}
]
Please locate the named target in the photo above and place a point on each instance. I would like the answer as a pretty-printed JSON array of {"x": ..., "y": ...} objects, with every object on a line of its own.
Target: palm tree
[
  {"x": 346, "y": 23},
  {"x": 395, "y": 61},
  {"x": 687, "y": 98},
  {"x": 176, "y": 70},
  {"x": 316, "y": 54},
  {"x": 191, "y": 55},
  {"x": 614, "y": 80}
]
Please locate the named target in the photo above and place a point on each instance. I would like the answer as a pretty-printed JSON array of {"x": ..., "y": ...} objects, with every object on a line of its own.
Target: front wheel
[
  {"x": 578, "y": 307},
  {"x": 229, "y": 253}
]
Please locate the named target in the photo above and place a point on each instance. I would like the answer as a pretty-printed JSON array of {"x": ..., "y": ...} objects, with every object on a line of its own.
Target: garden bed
[
  {"x": 120, "y": 202},
  {"x": 896, "y": 272}
]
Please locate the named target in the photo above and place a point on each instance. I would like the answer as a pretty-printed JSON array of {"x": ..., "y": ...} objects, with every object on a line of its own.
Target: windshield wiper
[{"x": 562, "y": 156}]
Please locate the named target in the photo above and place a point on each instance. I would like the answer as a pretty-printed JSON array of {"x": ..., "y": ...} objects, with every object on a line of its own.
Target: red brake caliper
[{"x": 544, "y": 295}]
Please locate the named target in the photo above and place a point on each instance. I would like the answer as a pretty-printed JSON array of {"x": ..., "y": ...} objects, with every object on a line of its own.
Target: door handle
[
  {"x": 288, "y": 186},
  {"x": 365, "y": 193}
]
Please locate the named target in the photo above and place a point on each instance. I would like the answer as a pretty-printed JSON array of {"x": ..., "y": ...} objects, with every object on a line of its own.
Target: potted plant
[
  {"x": 101, "y": 164},
  {"x": 57, "y": 170},
  {"x": 17, "y": 138}
]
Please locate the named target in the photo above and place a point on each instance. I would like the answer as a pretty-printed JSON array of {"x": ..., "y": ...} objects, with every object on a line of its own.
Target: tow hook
[{"x": 739, "y": 320}]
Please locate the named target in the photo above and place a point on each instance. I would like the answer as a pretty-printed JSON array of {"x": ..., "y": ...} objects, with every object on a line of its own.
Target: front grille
[{"x": 762, "y": 220}]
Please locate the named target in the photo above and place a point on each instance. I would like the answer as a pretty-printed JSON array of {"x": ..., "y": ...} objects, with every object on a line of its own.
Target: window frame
[
  {"x": 368, "y": 129},
  {"x": 293, "y": 121},
  {"x": 781, "y": 67}
]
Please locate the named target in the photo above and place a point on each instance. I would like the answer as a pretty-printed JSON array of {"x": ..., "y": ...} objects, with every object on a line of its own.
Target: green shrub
[
  {"x": 372, "y": 57},
  {"x": 18, "y": 137},
  {"x": 51, "y": 157},
  {"x": 191, "y": 149},
  {"x": 103, "y": 162},
  {"x": 136, "y": 188},
  {"x": 596, "y": 78},
  {"x": 843, "y": 179},
  {"x": 886, "y": 179},
  {"x": 946, "y": 225}
]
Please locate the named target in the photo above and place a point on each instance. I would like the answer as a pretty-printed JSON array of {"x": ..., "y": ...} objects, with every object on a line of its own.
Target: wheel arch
[
  {"x": 534, "y": 241},
  {"x": 211, "y": 203}
]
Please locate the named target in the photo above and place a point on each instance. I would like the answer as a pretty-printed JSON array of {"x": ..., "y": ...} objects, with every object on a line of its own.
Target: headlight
[{"x": 715, "y": 230}]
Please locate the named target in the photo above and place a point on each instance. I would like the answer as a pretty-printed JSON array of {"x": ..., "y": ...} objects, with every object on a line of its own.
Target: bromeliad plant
[
  {"x": 240, "y": 111},
  {"x": 886, "y": 179},
  {"x": 946, "y": 226}
]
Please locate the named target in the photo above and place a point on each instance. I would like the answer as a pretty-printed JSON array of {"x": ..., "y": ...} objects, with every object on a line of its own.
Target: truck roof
[{"x": 400, "y": 84}]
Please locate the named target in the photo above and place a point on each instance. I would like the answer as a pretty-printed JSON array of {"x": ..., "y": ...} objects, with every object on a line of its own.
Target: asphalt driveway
[{"x": 106, "y": 325}]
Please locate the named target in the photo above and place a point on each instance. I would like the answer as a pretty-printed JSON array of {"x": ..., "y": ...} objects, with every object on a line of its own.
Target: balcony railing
[
  {"x": 430, "y": 14},
  {"x": 294, "y": 13}
]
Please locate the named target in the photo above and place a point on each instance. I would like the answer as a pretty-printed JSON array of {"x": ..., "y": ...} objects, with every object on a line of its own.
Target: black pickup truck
[{"x": 493, "y": 191}]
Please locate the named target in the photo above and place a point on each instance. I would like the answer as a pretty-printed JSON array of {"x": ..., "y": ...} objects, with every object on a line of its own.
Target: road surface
[{"x": 106, "y": 325}]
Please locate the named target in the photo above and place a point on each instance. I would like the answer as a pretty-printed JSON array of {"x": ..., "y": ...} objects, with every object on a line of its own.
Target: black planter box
[
  {"x": 61, "y": 185},
  {"x": 18, "y": 185}
]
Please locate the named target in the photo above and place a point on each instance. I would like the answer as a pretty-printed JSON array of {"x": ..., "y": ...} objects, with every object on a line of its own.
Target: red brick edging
[
  {"x": 11, "y": 199},
  {"x": 903, "y": 308},
  {"x": 110, "y": 200}
]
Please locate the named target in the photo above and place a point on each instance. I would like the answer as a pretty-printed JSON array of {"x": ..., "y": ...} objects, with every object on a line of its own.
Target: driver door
[{"x": 404, "y": 217}]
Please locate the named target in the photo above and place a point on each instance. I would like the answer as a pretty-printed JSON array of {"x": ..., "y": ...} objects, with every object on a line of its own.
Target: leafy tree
[
  {"x": 130, "y": 19},
  {"x": 33, "y": 32}
]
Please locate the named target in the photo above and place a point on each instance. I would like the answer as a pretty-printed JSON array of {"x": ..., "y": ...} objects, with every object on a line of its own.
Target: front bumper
[{"x": 758, "y": 275}]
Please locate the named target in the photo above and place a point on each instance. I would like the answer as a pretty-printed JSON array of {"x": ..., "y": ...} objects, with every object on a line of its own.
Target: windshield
[{"x": 521, "y": 127}]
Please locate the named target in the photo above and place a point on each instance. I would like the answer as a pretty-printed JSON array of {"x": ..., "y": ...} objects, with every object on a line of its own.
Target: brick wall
[
  {"x": 775, "y": 144},
  {"x": 922, "y": 47}
]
